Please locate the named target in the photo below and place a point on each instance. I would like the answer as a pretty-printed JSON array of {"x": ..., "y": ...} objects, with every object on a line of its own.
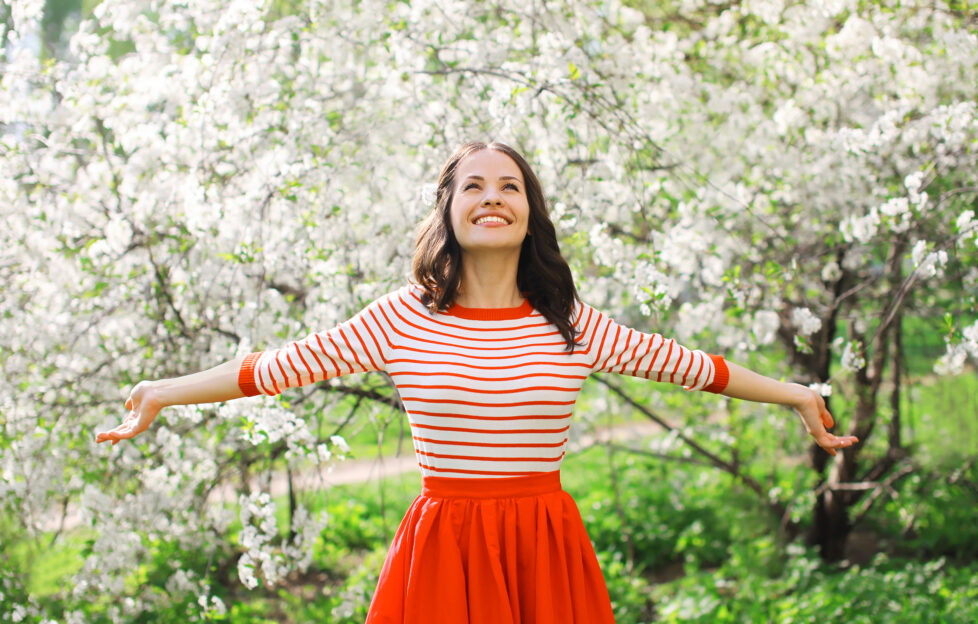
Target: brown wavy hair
[{"x": 542, "y": 275}]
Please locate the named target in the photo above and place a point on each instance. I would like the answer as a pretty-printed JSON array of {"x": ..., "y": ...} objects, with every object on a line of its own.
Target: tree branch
[
  {"x": 711, "y": 458},
  {"x": 877, "y": 490}
]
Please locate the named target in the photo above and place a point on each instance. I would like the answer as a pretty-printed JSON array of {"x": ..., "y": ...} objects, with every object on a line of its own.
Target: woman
[{"x": 488, "y": 351}]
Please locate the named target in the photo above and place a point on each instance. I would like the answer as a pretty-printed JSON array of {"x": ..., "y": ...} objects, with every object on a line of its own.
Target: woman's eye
[
  {"x": 512, "y": 186},
  {"x": 470, "y": 185}
]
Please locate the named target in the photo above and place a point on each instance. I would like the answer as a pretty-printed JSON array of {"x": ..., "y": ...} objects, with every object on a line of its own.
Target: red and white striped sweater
[{"x": 488, "y": 392}]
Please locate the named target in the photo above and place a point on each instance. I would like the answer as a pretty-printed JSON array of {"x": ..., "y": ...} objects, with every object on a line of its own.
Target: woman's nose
[{"x": 491, "y": 199}]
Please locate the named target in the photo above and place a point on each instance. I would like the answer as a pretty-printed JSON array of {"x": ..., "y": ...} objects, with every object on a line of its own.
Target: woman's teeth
[{"x": 482, "y": 220}]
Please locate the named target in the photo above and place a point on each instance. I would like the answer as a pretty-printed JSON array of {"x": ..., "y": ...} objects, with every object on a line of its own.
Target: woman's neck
[{"x": 489, "y": 281}]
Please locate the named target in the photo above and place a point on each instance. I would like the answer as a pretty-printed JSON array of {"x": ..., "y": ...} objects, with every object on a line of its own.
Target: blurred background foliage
[{"x": 736, "y": 531}]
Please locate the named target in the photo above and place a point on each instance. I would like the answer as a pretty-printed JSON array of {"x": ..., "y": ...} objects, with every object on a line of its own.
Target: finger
[
  {"x": 830, "y": 444},
  {"x": 129, "y": 403},
  {"x": 103, "y": 436},
  {"x": 823, "y": 412},
  {"x": 122, "y": 432},
  {"x": 116, "y": 438},
  {"x": 827, "y": 419}
]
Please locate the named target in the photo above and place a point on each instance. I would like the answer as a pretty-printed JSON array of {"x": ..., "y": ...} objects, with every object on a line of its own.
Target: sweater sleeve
[
  {"x": 359, "y": 345},
  {"x": 619, "y": 349}
]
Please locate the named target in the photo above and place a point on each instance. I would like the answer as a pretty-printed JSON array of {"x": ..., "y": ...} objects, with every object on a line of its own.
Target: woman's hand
[
  {"x": 143, "y": 405},
  {"x": 811, "y": 407},
  {"x": 149, "y": 397},
  {"x": 746, "y": 384}
]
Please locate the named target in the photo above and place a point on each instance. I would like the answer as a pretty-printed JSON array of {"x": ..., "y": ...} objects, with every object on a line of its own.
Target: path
[
  {"x": 363, "y": 470},
  {"x": 357, "y": 471}
]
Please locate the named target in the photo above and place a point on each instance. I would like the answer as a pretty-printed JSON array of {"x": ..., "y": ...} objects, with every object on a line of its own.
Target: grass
[
  {"x": 47, "y": 563},
  {"x": 941, "y": 416}
]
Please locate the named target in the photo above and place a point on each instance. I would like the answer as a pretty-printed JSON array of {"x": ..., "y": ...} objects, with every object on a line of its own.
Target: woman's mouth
[{"x": 491, "y": 219}]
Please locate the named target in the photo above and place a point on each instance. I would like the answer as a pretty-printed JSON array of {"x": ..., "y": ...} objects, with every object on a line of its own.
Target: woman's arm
[
  {"x": 149, "y": 397},
  {"x": 627, "y": 351},
  {"x": 356, "y": 346},
  {"x": 746, "y": 384}
]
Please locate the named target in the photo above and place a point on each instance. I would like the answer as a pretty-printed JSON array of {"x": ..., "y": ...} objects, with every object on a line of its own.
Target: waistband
[{"x": 504, "y": 487}]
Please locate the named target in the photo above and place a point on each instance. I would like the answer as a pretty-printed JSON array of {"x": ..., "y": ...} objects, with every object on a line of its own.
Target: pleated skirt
[{"x": 499, "y": 551}]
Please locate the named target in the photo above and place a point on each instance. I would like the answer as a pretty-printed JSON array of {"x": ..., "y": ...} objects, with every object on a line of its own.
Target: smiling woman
[
  {"x": 493, "y": 180},
  {"x": 488, "y": 351}
]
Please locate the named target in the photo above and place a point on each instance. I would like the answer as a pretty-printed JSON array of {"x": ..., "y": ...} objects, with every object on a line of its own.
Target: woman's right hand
[{"x": 143, "y": 405}]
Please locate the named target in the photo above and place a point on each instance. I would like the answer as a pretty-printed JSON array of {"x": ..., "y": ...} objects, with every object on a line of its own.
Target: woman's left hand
[{"x": 811, "y": 408}]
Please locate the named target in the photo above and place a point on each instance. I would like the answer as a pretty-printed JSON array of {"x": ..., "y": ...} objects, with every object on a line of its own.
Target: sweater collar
[{"x": 491, "y": 314}]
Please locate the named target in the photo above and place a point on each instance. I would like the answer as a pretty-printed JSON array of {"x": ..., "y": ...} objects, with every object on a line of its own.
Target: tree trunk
[
  {"x": 832, "y": 523},
  {"x": 831, "y": 528}
]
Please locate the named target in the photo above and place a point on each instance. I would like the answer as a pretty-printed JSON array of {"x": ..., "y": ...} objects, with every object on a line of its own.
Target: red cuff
[
  {"x": 246, "y": 375},
  {"x": 721, "y": 375}
]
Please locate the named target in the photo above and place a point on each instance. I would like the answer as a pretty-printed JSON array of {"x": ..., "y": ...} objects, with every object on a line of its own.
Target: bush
[{"x": 809, "y": 591}]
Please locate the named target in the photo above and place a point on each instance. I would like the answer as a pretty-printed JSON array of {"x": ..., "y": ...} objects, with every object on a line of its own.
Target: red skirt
[{"x": 493, "y": 551}]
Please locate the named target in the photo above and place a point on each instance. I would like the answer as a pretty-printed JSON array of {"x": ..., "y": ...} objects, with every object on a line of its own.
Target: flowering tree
[{"x": 192, "y": 181}]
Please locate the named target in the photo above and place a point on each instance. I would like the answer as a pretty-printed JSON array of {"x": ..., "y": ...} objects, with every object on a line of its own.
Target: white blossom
[
  {"x": 787, "y": 117},
  {"x": 765, "y": 326},
  {"x": 340, "y": 443},
  {"x": 970, "y": 341},
  {"x": 831, "y": 8},
  {"x": 966, "y": 221},
  {"x": 806, "y": 322},
  {"x": 323, "y": 452},
  {"x": 824, "y": 389},
  {"x": 258, "y": 537},
  {"x": 914, "y": 181},
  {"x": 428, "y": 194},
  {"x": 831, "y": 272},
  {"x": 852, "y": 357},
  {"x": 273, "y": 423},
  {"x": 927, "y": 264},
  {"x": 952, "y": 362},
  {"x": 246, "y": 571},
  {"x": 26, "y": 14},
  {"x": 861, "y": 229},
  {"x": 768, "y": 10},
  {"x": 212, "y": 606},
  {"x": 895, "y": 207}
]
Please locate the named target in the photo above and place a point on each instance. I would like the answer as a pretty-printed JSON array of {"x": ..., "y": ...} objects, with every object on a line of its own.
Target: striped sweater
[{"x": 488, "y": 392}]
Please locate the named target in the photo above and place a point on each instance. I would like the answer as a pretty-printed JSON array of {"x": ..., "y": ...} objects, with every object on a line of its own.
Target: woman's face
[{"x": 490, "y": 210}]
